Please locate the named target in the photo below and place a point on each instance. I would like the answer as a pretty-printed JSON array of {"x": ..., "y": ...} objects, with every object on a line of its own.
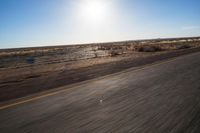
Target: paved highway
[{"x": 161, "y": 98}]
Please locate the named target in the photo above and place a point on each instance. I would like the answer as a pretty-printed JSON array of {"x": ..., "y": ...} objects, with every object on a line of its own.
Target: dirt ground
[{"x": 19, "y": 86}]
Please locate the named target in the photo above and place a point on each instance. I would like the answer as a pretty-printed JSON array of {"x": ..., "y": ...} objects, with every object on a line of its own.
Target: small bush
[
  {"x": 184, "y": 47},
  {"x": 95, "y": 55},
  {"x": 114, "y": 53},
  {"x": 103, "y": 48},
  {"x": 30, "y": 60},
  {"x": 149, "y": 49}
]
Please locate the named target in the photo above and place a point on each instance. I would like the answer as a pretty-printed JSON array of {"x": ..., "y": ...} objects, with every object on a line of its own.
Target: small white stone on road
[{"x": 101, "y": 101}]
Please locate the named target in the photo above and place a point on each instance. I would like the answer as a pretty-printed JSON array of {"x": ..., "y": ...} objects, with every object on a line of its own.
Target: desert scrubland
[{"x": 26, "y": 71}]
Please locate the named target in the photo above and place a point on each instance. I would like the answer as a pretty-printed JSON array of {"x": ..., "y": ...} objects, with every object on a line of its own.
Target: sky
[{"x": 30, "y": 23}]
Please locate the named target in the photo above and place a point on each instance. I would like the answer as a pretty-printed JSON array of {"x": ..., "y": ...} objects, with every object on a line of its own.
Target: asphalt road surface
[{"x": 161, "y": 98}]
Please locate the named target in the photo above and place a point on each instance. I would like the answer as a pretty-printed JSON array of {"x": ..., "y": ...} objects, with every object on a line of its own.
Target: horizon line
[{"x": 93, "y": 43}]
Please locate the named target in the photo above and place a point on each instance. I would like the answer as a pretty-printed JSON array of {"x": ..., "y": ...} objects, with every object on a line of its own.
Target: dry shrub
[
  {"x": 104, "y": 48},
  {"x": 149, "y": 48},
  {"x": 114, "y": 53},
  {"x": 184, "y": 46}
]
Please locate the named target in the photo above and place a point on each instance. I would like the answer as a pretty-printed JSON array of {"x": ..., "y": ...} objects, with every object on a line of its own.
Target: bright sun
[{"x": 94, "y": 10}]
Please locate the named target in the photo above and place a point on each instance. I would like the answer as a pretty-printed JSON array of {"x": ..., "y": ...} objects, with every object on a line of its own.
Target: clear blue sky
[{"x": 28, "y": 23}]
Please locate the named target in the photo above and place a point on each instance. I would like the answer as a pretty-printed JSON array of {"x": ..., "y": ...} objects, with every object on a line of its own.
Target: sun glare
[{"x": 95, "y": 10}]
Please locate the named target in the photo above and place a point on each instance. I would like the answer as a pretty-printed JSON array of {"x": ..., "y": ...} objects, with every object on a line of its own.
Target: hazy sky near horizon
[{"x": 29, "y": 23}]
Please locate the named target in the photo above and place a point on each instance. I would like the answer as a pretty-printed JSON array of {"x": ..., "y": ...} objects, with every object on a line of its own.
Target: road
[
  {"x": 17, "y": 87},
  {"x": 159, "y": 98}
]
